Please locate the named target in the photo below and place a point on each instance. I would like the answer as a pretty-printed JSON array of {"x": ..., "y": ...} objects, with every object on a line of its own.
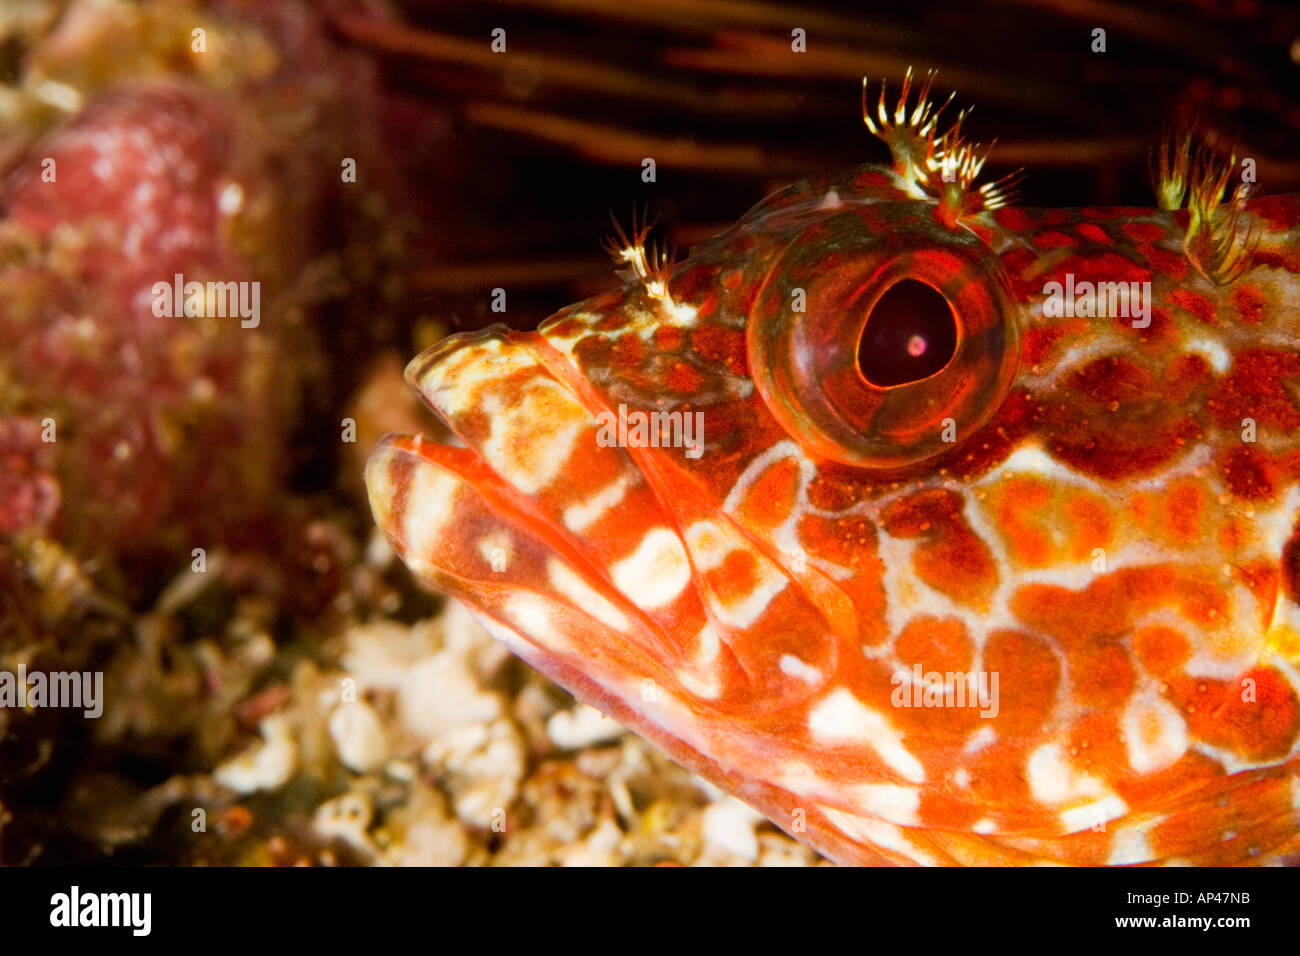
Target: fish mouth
[
  {"x": 516, "y": 522},
  {"x": 581, "y": 554}
]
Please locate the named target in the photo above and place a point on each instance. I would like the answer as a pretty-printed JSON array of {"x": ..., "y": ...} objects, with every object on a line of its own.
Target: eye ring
[{"x": 806, "y": 365}]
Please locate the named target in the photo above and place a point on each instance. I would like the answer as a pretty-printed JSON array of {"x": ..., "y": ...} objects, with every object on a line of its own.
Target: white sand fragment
[
  {"x": 728, "y": 826},
  {"x": 581, "y": 727},
  {"x": 264, "y": 766},
  {"x": 359, "y": 737}
]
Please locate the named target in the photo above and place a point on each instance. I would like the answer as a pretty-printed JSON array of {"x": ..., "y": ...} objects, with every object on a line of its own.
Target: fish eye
[
  {"x": 910, "y": 335},
  {"x": 883, "y": 350}
]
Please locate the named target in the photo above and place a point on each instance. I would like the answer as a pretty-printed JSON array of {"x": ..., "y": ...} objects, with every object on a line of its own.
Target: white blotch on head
[
  {"x": 656, "y": 572},
  {"x": 1089, "y": 815},
  {"x": 532, "y": 614},
  {"x": 831, "y": 200},
  {"x": 1033, "y": 459},
  {"x": 429, "y": 504},
  {"x": 1213, "y": 352},
  {"x": 708, "y": 545},
  {"x": 1155, "y": 733},
  {"x": 700, "y": 674},
  {"x": 840, "y": 718},
  {"x": 981, "y": 738},
  {"x": 888, "y": 801},
  {"x": 744, "y": 612},
  {"x": 533, "y": 434},
  {"x": 871, "y": 832},
  {"x": 231, "y": 199},
  {"x": 984, "y": 826},
  {"x": 492, "y": 545},
  {"x": 796, "y": 667},
  {"x": 1129, "y": 846},
  {"x": 579, "y": 517},
  {"x": 1052, "y": 779},
  {"x": 585, "y": 598}
]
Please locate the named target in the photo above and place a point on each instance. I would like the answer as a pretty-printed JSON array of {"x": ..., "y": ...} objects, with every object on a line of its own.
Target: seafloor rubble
[{"x": 285, "y": 693}]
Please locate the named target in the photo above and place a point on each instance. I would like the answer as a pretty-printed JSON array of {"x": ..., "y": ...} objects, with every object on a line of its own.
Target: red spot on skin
[
  {"x": 1158, "y": 336},
  {"x": 1019, "y": 264},
  {"x": 1094, "y": 232},
  {"x": 1038, "y": 343},
  {"x": 1028, "y": 665},
  {"x": 720, "y": 346},
  {"x": 1186, "y": 776},
  {"x": 1106, "y": 609},
  {"x": 934, "y": 644},
  {"x": 1125, "y": 427},
  {"x": 1053, "y": 240},
  {"x": 1143, "y": 231},
  {"x": 1101, "y": 675},
  {"x": 628, "y": 350},
  {"x": 1161, "y": 649},
  {"x": 771, "y": 498},
  {"x": 997, "y": 774},
  {"x": 1096, "y": 744},
  {"x": 683, "y": 378},
  {"x": 1195, "y": 303},
  {"x": 1248, "y": 474},
  {"x": 1019, "y": 502},
  {"x": 851, "y": 543},
  {"x": 605, "y": 302},
  {"x": 668, "y": 338},
  {"x": 1249, "y": 303},
  {"x": 1183, "y": 510},
  {"x": 952, "y": 559},
  {"x": 1167, "y": 263},
  {"x": 1054, "y": 217},
  {"x": 1114, "y": 379},
  {"x": 1185, "y": 375},
  {"x": 1254, "y": 389},
  {"x": 1281, "y": 212},
  {"x": 1014, "y": 219},
  {"x": 939, "y": 647},
  {"x": 707, "y": 307},
  {"x": 1260, "y": 729},
  {"x": 1287, "y": 260},
  {"x": 1101, "y": 267},
  {"x": 869, "y": 181},
  {"x": 731, "y": 278}
]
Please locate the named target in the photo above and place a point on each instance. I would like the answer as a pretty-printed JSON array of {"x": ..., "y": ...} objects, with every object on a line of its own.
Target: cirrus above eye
[
  {"x": 910, "y": 335},
  {"x": 888, "y": 350}
]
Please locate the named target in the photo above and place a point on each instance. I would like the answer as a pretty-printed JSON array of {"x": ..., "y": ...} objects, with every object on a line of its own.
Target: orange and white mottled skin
[{"x": 1101, "y": 533}]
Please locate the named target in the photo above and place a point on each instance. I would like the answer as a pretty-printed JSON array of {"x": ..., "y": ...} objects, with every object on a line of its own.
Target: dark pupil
[{"x": 909, "y": 336}]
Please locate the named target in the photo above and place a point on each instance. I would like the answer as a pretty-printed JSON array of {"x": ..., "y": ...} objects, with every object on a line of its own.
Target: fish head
[{"x": 872, "y": 515}]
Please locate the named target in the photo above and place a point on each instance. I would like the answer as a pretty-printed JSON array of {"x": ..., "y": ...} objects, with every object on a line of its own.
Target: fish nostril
[{"x": 910, "y": 335}]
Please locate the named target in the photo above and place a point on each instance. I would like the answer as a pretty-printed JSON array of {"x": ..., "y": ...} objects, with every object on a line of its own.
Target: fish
[{"x": 939, "y": 530}]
